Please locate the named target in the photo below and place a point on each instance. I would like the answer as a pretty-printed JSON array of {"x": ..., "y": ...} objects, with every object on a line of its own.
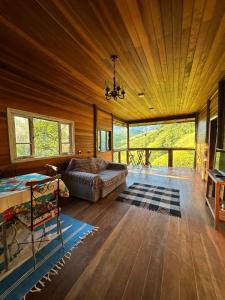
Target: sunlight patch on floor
[{"x": 154, "y": 172}]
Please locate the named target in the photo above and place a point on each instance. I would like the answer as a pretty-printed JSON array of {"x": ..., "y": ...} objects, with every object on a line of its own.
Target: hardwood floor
[{"x": 139, "y": 254}]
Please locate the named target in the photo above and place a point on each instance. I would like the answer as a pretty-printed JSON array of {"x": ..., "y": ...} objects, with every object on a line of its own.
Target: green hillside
[{"x": 166, "y": 135}]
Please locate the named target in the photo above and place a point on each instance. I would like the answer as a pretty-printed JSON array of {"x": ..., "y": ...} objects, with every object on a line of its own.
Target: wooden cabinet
[{"x": 214, "y": 196}]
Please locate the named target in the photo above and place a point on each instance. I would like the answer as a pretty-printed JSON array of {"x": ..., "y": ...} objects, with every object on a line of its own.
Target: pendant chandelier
[{"x": 117, "y": 91}]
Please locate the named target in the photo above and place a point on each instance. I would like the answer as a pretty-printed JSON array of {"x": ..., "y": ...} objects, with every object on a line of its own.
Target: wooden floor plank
[
  {"x": 137, "y": 278},
  {"x": 138, "y": 254},
  {"x": 188, "y": 285},
  {"x": 153, "y": 280},
  {"x": 102, "y": 267},
  {"x": 204, "y": 277},
  {"x": 170, "y": 288}
]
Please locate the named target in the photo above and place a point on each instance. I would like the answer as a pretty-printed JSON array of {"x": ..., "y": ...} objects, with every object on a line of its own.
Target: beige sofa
[{"x": 93, "y": 178}]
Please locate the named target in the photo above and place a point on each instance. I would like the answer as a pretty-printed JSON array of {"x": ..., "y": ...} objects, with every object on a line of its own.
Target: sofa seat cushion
[{"x": 110, "y": 177}]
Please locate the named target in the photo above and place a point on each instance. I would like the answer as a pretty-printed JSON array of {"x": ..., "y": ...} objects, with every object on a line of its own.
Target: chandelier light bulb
[{"x": 117, "y": 91}]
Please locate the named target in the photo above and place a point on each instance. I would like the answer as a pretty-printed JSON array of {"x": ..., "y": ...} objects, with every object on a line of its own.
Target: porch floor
[{"x": 137, "y": 254}]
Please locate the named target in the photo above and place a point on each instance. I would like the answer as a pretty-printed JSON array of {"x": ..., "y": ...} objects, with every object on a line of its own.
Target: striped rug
[
  {"x": 157, "y": 198},
  {"x": 51, "y": 257}
]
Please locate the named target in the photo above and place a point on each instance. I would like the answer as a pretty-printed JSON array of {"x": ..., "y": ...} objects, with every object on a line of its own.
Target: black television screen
[{"x": 220, "y": 161}]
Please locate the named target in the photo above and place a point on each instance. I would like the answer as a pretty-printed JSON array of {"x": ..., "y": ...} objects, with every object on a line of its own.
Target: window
[
  {"x": 104, "y": 140},
  {"x": 119, "y": 135},
  {"x": 34, "y": 136},
  {"x": 171, "y": 135},
  {"x": 22, "y": 135}
]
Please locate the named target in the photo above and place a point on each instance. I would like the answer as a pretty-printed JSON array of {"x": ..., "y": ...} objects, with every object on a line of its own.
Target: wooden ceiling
[{"x": 172, "y": 50}]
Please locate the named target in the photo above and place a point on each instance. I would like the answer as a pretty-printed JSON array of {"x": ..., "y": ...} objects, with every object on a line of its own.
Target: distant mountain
[
  {"x": 167, "y": 136},
  {"x": 142, "y": 129}
]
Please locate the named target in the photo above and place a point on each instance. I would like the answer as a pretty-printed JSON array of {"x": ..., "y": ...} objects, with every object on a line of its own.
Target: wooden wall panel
[
  {"x": 202, "y": 141},
  {"x": 104, "y": 121},
  {"x": 201, "y": 144},
  {"x": 50, "y": 105}
]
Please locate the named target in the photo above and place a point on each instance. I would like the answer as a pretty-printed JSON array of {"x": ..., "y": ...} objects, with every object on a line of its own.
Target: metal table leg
[{"x": 3, "y": 225}]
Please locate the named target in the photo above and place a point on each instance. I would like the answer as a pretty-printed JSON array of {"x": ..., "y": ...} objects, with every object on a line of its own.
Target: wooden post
[
  {"x": 207, "y": 121},
  {"x": 128, "y": 143},
  {"x": 95, "y": 129},
  {"x": 112, "y": 144},
  {"x": 170, "y": 157},
  {"x": 119, "y": 156},
  {"x": 206, "y": 151},
  {"x": 196, "y": 140},
  {"x": 147, "y": 157}
]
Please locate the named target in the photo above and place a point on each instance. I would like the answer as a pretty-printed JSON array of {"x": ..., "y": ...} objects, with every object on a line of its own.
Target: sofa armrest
[
  {"x": 116, "y": 166},
  {"x": 89, "y": 179}
]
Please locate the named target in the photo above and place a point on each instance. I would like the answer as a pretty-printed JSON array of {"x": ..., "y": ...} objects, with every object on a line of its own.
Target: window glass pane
[
  {"x": 65, "y": 133},
  {"x": 22, "y": 130},
  {"x": 103, "y": 140},
  {"x": 99, "y": 140},
  {"x": 183, "y": 158},
  {"x": 119, "y": 136},
  {"x": 65, "y": 148},
  {"x": 23, "y": 150},
  {"x": 163, "y": 135},
  {"x": 115, "y": 157},
  {"x": 159, "y": 158},
  {"x": 123, "y": 156},
  {"x": 46, "y": 137}
]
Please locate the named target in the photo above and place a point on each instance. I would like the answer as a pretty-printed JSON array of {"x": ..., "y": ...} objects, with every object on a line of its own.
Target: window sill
[
  {"x": 104, "y": 151},
  {"x": 18, "y": 160}
]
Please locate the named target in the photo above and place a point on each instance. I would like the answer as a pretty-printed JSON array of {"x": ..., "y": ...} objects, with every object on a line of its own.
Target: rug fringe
[
  {"x": 60, "y": 264},
  {"x": 35, "y": 289}
]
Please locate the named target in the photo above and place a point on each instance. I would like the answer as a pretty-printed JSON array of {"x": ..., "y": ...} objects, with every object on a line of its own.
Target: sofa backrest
[
  {"x": 89, "y": 165},
  {"x": 101, "y": 163}
]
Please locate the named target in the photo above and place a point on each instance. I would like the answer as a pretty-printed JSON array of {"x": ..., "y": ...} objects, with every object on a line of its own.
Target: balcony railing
[{"x": 122, "y": 155}]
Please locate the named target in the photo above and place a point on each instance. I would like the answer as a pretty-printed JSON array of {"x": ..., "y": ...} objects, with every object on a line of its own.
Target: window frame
[
  {"x": 119, "y": 124},
  {"x": 108, "y": 139},
  {"x": 11, "y": 113}
]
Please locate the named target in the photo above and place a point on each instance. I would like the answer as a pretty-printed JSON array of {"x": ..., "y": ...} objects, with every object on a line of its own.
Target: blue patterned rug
[{"x": 51, "y": 257}]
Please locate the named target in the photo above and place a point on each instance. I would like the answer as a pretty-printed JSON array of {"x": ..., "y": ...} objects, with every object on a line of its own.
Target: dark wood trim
[
  {"x": 161, "y": 149},
  {"x": 206, "y": 152},
  {"x": 119, "y": 156},
  {"x": 95, "y": 120},
  {"x": 168, "y": 118},
  {"x": 119, "y": 119},
  {"x": 196, "y": 139},
  {"x": 112, "y": 133},
  {"x": 221, "y": 115},
  {"x": 170, "y": 158},
  {"x": 207, "y": 121},
  {"x": 128, "y": 142}
]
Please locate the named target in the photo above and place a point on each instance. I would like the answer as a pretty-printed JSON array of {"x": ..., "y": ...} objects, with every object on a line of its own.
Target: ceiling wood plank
[{"x": 172, "y": 50}]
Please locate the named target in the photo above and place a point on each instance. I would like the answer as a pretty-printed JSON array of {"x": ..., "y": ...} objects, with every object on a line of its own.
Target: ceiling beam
[{"x": 168, "y": 118}]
